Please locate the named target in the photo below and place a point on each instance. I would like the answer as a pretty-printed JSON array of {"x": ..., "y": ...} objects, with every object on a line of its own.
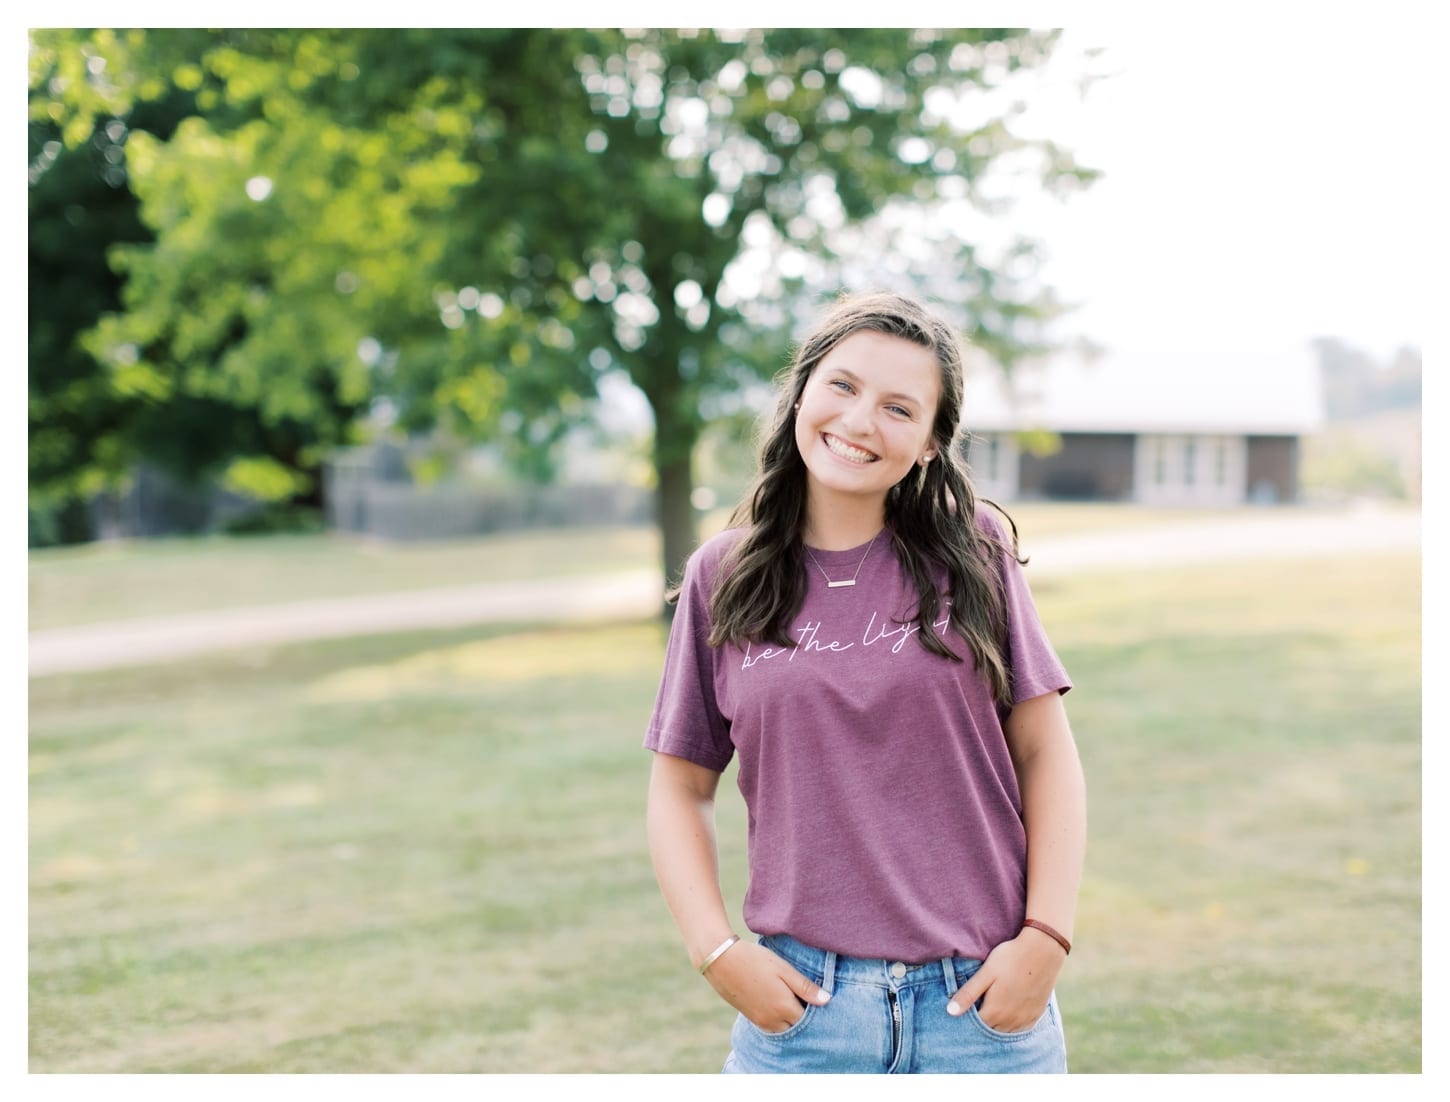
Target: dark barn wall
[
  {"x": 1272, "y": 471},
  {"x": 1090, "y": 466}
]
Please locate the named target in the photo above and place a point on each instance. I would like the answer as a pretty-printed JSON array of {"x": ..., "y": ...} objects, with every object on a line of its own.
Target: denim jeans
[{"x": 889, "y": 1016}]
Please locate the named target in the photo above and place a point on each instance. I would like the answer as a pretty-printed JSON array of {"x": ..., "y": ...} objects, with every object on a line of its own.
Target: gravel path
[{"x": 634, "y": 594}]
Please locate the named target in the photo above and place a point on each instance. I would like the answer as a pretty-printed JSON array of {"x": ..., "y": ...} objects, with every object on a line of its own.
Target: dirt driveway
[{"x": 637, "y": 593}]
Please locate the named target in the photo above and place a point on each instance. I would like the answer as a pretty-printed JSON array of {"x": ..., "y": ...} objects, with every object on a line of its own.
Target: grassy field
[
  {"x": 426, "y": 852},
  {"x": 128, "y": 578}
]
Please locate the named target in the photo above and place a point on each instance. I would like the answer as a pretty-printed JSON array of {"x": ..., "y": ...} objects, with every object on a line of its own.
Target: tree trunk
[
  {"x": 677, "y": 430},
  {"x": 676, "y": 514}
]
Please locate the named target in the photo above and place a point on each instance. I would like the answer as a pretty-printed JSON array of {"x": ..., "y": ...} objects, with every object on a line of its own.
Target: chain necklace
[{"x": 852, "y": 579}]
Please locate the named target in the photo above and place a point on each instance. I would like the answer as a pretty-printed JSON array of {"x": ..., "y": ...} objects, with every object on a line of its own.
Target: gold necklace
[{"x": 852, "y": 579}]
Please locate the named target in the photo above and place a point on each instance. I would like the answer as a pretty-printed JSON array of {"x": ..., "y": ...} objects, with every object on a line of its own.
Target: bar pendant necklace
[{"x": 852, "y": 579}]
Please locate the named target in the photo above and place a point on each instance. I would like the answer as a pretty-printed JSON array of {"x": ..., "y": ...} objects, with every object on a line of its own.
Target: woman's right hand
[{"x": 763, "y": 986}]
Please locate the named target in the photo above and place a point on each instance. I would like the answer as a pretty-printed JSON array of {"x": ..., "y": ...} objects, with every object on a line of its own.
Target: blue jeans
[{"x": 888, "y": 1016}]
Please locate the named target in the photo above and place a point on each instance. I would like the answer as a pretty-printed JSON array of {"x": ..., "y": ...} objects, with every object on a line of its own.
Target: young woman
[{"x": 864, "y": 639}]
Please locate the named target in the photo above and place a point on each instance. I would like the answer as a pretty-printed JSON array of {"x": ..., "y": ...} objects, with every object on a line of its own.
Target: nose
[{"x": 858, "y": 418}]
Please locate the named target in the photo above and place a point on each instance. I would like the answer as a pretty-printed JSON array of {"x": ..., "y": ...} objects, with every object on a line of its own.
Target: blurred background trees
[
  {"x": 1370, "y": 443},
  {"x": 250, "y": 247}
]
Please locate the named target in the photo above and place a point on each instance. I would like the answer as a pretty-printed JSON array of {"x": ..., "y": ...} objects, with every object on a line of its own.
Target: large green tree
[{"x": 479, "y": 225}]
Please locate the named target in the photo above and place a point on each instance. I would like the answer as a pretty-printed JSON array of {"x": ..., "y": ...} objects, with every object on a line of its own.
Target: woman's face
[{"x": 866, "y": 416}]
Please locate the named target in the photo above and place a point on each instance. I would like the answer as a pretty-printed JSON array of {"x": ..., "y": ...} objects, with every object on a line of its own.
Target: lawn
[{"x": 426, "y": 852}]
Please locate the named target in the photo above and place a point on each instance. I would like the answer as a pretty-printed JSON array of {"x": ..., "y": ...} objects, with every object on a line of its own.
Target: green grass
[
  {"x": 426, "y": 852},
  {"x": 128, "y": 578},
  {"x": 1251, "y": 737}
]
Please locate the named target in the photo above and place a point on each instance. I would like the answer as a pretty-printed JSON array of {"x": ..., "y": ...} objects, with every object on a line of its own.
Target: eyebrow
[{"x": 896, "y": 394}]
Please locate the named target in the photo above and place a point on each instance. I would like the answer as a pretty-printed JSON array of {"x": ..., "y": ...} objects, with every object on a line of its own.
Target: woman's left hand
[{"x": 1014, "y": 983}]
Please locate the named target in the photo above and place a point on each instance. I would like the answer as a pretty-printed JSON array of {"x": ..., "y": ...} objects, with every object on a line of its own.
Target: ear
[{"x": 927, "y": 457}]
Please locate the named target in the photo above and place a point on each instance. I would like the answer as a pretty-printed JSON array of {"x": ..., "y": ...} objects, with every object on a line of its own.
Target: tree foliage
[
  {"x": 1356, "y": 385},
  {"x": 79, "y": 206},
  {"x": 476, "y": 226}
]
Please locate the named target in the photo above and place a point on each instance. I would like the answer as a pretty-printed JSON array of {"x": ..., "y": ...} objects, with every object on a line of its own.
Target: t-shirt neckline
[{"x": 849, "y": 554}]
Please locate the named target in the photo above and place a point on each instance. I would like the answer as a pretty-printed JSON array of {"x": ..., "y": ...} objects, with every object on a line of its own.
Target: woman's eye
[
  {"x": 842, "y": 384},
  {"x": 899, "y": 411}
]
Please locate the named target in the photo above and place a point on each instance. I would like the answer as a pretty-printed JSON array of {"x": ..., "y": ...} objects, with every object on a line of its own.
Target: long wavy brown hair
[{"x": 931, "y": 512}]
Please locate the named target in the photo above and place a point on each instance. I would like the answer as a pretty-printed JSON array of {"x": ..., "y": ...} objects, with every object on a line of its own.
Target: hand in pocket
[{"x": 764, "y": 987}]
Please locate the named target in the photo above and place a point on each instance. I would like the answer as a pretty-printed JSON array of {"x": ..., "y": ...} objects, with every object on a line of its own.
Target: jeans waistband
[{"x": 832, "y": 966}]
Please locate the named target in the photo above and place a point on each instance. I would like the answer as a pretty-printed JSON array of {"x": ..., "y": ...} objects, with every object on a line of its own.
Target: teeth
[{"x": 846, "y": 451}]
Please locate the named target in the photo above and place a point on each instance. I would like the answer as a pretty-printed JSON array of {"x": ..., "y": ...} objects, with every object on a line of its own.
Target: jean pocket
[
  {"x": 975, "y": 1017},
  {"x": 785, "y": 1034}
]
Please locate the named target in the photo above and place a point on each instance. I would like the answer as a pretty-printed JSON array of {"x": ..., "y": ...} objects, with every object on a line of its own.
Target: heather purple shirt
[{"x": 885, "y": 819}]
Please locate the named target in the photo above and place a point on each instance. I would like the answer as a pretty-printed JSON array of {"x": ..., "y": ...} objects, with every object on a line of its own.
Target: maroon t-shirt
[{"x": 885, "y": 819}]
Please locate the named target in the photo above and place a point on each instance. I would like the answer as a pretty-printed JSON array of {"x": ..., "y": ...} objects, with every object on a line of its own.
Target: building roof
[{"x": 1222, "y": 391}]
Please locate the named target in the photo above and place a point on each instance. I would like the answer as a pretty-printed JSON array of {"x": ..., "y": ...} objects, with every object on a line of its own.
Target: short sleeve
[
  {"x": 686, "y": 722},
  {"x": 1033, "y": 664}
]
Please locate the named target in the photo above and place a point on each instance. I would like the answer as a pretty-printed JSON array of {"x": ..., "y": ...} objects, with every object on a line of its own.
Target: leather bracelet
[
  {"x": 1050, "y": 932},
  {"x": 719, "y": 952}
]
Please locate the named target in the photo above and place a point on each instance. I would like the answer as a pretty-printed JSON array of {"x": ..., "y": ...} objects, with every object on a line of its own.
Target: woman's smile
[{"x": 848, "y": 452}]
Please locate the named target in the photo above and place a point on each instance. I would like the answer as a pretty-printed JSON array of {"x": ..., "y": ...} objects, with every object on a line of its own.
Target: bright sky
[{"x": 1261, "y": 184}]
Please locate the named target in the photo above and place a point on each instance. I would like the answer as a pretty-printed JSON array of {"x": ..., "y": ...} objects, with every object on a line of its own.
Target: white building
[{"x": 1171, "y": 429}]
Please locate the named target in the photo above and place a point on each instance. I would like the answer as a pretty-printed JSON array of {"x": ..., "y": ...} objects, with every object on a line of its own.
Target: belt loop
[
  {"x": 949, "y": 971},
  {"x": 828, "y": 972}
]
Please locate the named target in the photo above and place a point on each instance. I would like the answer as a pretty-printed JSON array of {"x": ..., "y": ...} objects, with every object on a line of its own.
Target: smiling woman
[
  {"x": 862, "y": 422},
  {"x": 916, "y": 812}
]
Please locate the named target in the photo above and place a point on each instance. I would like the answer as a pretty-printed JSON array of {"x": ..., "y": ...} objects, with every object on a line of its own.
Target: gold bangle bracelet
[{"x": 719, "y": 952}]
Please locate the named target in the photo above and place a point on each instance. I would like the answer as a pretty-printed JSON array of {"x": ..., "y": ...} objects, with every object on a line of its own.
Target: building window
[{"x": 1203, "y": 469}]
